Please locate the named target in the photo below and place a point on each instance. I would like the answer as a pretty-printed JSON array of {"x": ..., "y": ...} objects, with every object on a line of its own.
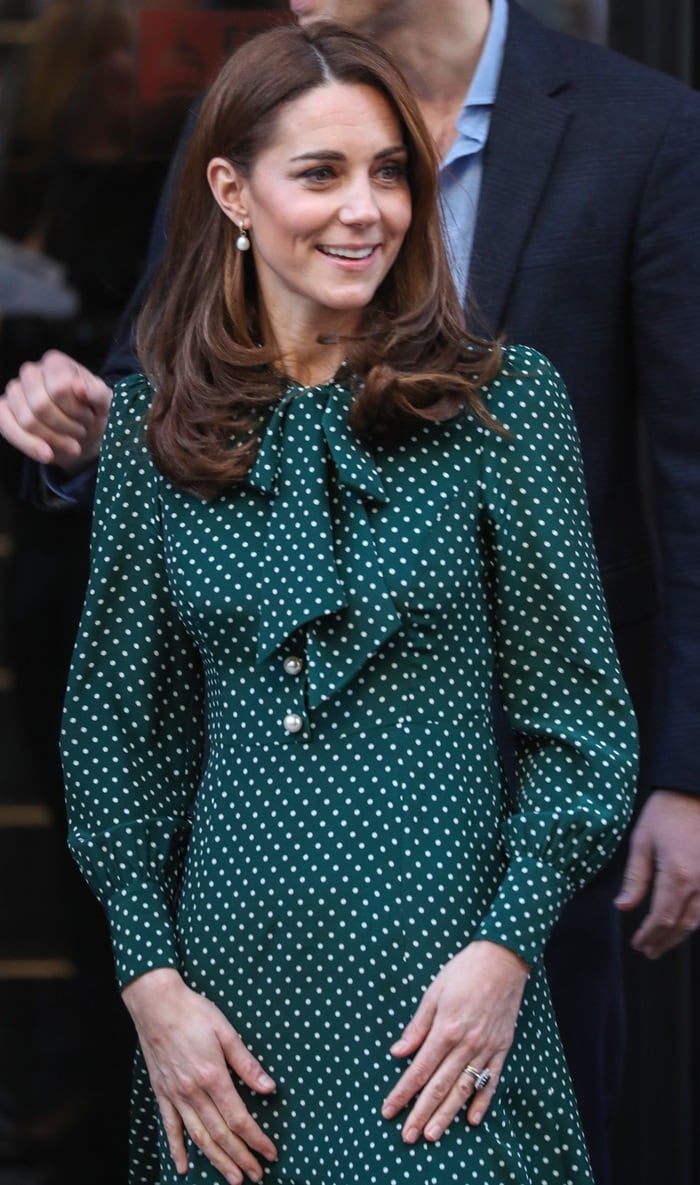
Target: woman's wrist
[
  {"x": 508, "y": 958},
  {"x": 161, "y": 981}
]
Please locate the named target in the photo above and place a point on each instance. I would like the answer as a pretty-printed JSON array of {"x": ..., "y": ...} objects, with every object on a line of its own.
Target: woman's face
[{"x": 328, "y": 205}]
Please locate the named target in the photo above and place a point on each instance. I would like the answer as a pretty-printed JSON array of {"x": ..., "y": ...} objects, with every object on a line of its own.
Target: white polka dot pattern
[{"x": 347, "y": 612}]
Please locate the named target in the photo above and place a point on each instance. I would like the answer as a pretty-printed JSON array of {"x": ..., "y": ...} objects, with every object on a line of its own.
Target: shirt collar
[{"x": 474, "y": 118}]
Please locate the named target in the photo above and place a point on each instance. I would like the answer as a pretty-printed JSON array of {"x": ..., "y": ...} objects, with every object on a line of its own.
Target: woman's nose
[{"x": 359, "y": 205}]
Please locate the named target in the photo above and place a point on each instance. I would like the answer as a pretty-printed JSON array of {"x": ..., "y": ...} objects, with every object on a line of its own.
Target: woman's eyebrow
[{"x": 333, "y": 154}]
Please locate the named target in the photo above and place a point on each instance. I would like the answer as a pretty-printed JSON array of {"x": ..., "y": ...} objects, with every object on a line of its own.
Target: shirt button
[
  {"x": 293, "y": 722},
  {"x": 293, "y": 664}
]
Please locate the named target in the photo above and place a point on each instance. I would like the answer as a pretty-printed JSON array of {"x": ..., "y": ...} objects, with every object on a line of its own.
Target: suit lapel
[{"x": 527, "y": 129}]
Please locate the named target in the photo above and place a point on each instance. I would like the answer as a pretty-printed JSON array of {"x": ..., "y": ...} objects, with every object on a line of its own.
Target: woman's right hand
[{"x": 189, "y": 1046}]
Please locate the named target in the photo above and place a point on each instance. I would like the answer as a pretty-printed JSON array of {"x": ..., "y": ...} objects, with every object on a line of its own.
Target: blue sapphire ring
[{"x": 481, "y": 1077}]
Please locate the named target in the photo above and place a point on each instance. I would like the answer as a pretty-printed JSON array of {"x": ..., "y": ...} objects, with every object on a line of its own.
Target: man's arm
[{"x": 56, "y": 410}]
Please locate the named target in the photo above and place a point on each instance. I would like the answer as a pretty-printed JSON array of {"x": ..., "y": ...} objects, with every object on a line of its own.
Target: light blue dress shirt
[{"x": 462, "y": 168}]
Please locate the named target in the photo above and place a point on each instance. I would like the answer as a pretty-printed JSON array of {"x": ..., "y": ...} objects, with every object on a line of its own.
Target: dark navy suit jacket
[{"x": 587, "y": 246}]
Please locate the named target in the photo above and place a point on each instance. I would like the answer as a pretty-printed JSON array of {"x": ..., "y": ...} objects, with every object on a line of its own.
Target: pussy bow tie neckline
[{"x": 321, "y": 572}]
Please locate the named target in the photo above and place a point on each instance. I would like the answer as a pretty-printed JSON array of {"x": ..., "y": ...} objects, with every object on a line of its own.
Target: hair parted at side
[{"x": 198, "y": 334}]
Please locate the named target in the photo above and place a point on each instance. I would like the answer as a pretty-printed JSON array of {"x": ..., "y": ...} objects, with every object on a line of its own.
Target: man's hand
[
  {"x": 55, "y": 412},
  {"x": 664, "y": 859}
]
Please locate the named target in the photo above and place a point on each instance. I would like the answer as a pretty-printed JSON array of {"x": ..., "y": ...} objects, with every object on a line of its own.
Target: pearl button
[
  {"x": 293, "y": 665},
  {"x": 293, "y": 722}
]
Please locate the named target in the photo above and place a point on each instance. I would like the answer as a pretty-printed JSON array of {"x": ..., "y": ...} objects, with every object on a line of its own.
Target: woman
[{"x": 336, "y": 516}]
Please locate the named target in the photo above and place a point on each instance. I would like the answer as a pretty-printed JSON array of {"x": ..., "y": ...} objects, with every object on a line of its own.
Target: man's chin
[{"x": 302, "y": 13}]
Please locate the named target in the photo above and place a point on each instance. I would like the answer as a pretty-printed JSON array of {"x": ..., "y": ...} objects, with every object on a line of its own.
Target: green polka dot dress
[{"x": 338, "y": 621}]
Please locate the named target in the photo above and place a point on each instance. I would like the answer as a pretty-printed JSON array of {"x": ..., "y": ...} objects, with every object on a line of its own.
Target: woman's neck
[
  {"x": 310, "y": 371},
  {"x": 302, "y": 354}
]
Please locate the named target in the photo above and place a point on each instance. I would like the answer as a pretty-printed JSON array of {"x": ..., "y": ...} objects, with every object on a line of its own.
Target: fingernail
[
  {"x": 398, "y": 1045},
  {"x": 265, "y": 1081},
  {"x": 432, "y": 1132},
  {"x": 475, "y": 1117},
  {"x": 411, "y": 1135},
  {"x": 388, "y": 1110}
]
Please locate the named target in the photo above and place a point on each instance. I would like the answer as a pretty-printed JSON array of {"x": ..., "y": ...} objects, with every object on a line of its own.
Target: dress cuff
[
  {"x": 143, "y": 931},
  {"x": 526, "y": 907}
]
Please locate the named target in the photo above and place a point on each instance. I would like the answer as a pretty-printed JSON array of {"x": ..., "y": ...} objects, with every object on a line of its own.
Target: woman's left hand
[{"x": 466, "y": 1018}]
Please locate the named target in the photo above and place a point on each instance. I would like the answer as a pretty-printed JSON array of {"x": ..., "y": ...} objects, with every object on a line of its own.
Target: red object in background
[{"x": 181, "y": 51}]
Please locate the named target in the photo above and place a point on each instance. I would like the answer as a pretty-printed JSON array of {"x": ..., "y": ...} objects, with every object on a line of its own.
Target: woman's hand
[
  {"x": 189, "y": 1046},
  {"x": 466, "y": 1018}
]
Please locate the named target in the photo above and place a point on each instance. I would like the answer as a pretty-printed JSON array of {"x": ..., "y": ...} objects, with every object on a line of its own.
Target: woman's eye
[
  {"x": 319, "y": 173},
  {"x": 391, "y": 172}
]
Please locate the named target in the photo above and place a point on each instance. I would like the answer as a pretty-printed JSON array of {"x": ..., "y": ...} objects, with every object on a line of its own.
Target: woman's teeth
[{"x": 348, "y": 252}]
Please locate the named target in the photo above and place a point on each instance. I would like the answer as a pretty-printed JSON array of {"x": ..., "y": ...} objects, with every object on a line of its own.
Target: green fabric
[{"x": 313, "y": 882}]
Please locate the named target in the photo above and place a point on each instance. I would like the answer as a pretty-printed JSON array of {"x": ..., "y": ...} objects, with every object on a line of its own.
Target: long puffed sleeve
[
  {"x": 558, "y": 675},
  {"x": 133, "y": 719}
]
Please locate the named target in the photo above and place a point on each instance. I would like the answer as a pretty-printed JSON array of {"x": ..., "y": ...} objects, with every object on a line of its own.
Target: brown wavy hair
[{"x": 198, "y": 335}]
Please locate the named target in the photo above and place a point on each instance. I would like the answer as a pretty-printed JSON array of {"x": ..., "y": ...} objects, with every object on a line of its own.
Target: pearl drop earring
[{"x": 243, "y": 242}]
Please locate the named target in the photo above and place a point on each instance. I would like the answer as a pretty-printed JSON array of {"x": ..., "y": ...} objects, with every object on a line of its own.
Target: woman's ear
[{"x": 228, "y": 188}]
